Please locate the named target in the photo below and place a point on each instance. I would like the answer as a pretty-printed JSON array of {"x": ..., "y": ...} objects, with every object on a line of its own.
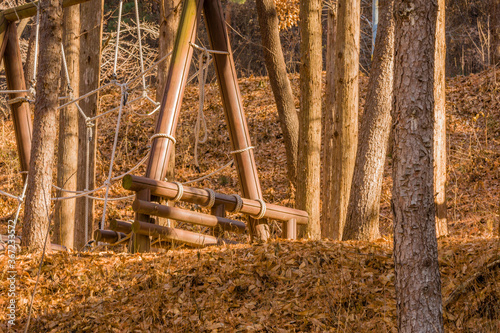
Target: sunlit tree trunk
[
  {"x": 308, "y": 167},
  {"x": 38, "y": 203},
  {"x": 345, "y": 112},
  {"x": 440, "y": 123},
  {"x": 90, "y": 61},
  {"x": 362, "y": 222},
  {"x": 327, "y": 125},
  {"x": 282, "y": 90},
  {"x": 418, "y": 284},
  {"x": 67, "y": 161}
]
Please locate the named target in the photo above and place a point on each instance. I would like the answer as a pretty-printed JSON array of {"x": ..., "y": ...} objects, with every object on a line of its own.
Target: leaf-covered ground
[
  {"x": 281, "y": 286},
  {"x": 277, "y": 287}
]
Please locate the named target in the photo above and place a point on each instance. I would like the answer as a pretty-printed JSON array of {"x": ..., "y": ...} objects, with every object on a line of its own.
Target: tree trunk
[
  {"x": 90, "y": 63},
  {"x": 327, "y": 221},
  {"x": 280, "y": 84},
  {"x": 364, "y": 204},
  {"x": 495, "y": 31},
  {"x": 345, "y": 113},
  {"x": 418, "y": 285},
  {"x": 29, "y": 64},
  {"x": 308, "y": 166},
  {"x": 68, "y": 132},
  {"x": 37, "y": 210},
  {"x": 440, "y": 123}
]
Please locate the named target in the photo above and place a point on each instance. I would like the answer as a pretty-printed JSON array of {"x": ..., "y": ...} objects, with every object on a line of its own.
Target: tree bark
[
  {"x": 495, "y": 31},
  {"x": 280, "y": 84},
  {"x": 362, "y": 221},
  {"x": 440, "y": 123},
  {"x": 418, "y": 285},
  {"x": 37, "y": 210},
  {"x": 345, "y": 113},
  {"x": 68, "y": 132},
  {"x": 327, "y": 221},
  {"x": 90, "y": 63},
  {"x": 308, "y": 166}
]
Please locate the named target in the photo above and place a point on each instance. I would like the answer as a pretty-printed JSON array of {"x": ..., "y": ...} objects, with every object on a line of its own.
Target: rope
[
  {"x": 120, "y": 7},
  {"x": 37, "y": 34},
  {"x": 141, "y": 60},
  {"x": 202, "y": 78},
  {"x": 262, "y": 210},
  {"x": 180, "y": 192},
  {"x": 239, "y": 204},
  {"x": 113, "y": 152},
  {"x": 211, "y": 198},
  {"x": 204, "y": 49},
  {"x": 230, "y": 163},
  {"x": 163, "y": 135},
  {"x": 241, "y": 150}
]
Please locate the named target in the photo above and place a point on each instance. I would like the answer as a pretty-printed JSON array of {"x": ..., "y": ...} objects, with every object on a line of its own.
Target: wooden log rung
[
  {"x": 177, "y": 235},
  {"x": 108, "y": 236},
  {"x": 201, "y": 197},
  {"x": 155, "y": 209}
]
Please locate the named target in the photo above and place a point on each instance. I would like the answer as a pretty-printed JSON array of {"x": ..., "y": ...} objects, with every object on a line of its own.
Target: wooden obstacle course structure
[{"x": 151, "y": 187}]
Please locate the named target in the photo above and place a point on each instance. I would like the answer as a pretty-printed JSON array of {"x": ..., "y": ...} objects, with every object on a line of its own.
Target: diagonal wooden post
[
  {"x": 21, "y": 114},
  {"x": 233, "y": 108}
]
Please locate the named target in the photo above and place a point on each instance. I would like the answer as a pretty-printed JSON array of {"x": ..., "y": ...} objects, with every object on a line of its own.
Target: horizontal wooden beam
[
  {"x": 108, "y": 236},
  {"x": 155, "y": 209},
  {"x": 24, "y": 11},
  {"x": 120, "y": 226},
  {"x": 173, "y": 234},
  {"x": 202, "y": 197}
]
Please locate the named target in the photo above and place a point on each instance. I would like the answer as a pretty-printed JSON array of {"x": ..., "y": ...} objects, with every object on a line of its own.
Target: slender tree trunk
[
  {"x": 280, "y": 84},
  {"x": 418, "y": 284},
  {"x": 345, "y": 113},
  {"x": 90, "y": 63},
  {"x": 364, "y": 204},
  {"x": 327, "y": 222},
  {"x": 440, "y": 123},
  {"x": 495, "y": 31},
  {"x": 308, "y": 167},
  {"x": 68, "y": 132},
  {"x": 36, "y": 217},
  {"x": 30, "y": 56}
]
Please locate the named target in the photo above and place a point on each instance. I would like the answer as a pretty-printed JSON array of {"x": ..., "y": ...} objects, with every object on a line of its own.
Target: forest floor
[{"x": 281, "y": 286}]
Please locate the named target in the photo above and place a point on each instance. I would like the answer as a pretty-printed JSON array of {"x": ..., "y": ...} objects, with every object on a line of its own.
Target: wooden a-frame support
[{"x": 233, "y": 109}]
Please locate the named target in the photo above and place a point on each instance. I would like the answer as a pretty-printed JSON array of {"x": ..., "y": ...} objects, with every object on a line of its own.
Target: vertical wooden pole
[
  {"x": 218, "y": 210},
  {"x": 290, "y": 229},
  {"x": 90, "y": 62},
  {"x": 15, "y": 81},
  {"x": 233, "y": 108}
]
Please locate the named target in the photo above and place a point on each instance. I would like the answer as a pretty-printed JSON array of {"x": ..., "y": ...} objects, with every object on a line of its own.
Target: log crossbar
[{"x": 193, "y": 195}]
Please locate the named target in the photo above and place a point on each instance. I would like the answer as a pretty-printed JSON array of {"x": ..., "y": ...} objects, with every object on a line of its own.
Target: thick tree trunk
[
  {"x": 418, "y": 285},
  {"x": 440, "y": 123},
  {"x": 364, "y": 204},
  {"x": 308, "y": 166},
  {"x": 37, "y": 210},
  {"x": 90, "y": 63},
  {"x": 327, "y": 222},
  {"x": 280, "y": 84},
  {"x": 68, "y": 132},
  {"x": 345, "y": 113}
]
